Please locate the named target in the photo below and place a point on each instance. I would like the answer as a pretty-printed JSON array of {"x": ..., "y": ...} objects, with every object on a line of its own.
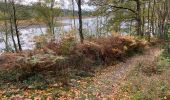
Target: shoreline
[{"x": 33, "y": 23}]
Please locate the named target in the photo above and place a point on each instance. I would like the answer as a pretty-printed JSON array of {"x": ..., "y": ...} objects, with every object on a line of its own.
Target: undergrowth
[
  {"x": 148, "y": 81},
  {"x": 60, "y": 63}
]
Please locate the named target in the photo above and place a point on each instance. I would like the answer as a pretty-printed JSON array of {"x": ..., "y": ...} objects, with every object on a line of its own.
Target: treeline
[
  {"x": 28, "y": 11},
  {"x": 69, "y": 13},
  {"x": 141, "y": 17},
  {"x": 23, "y": 11}
]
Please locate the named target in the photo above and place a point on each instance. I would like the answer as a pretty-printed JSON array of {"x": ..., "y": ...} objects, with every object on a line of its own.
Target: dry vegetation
[
  {"x": 147, "y": 81},
  {"x": 57, "y": 63}
]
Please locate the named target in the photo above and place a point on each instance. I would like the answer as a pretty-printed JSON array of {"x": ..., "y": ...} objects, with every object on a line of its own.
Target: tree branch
[{"x": 119, "y": 7}]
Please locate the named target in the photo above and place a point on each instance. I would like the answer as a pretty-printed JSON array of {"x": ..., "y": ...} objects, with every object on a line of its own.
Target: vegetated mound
[
  {"x": 110, "y": 48},
  {"x": 56, "y": 58}
]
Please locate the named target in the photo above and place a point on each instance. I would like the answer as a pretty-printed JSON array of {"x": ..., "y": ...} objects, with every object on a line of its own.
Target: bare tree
[
  {"x": 80, "y": 21},
  {"x": 138, "y": 17},
  {"x": 15, "y": 24},
  {"x": 153, "y": 18},
  {"x": 52, "y": 16},
  {"x": 6, "y": 26},
  {"x": 149, "y": 29},
  {"x": 73, "y": 12},
  {"x": 12, "y": 35}
]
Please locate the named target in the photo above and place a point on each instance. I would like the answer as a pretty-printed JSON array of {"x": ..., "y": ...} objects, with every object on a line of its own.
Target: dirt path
[{"x": 103, "y": 84}]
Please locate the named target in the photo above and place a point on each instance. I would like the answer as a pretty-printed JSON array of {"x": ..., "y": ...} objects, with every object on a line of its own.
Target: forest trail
[{"x": 104, "y": 83}]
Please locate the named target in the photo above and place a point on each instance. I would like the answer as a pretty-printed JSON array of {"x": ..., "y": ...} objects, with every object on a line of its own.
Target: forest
[{"x": 84, "y": 49}]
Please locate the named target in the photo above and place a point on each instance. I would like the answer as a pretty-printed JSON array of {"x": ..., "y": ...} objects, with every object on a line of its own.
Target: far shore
[{"x": 35, "y": 23}]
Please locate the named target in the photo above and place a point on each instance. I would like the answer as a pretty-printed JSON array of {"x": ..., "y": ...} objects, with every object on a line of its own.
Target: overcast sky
[{"x": 64, "y": 4}]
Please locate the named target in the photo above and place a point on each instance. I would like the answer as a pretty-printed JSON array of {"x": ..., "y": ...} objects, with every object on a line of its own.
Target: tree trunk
[
  {"x": 80, "y": 21},
  {"x": 143, "y": 19},
  {"x": 130, "y": 28},
  {"x": 139, "y": 22},
  {"x": 73, "y": 13},
  {"x": 149, "y": 35},
  {"x": 6, "y": 27},
  {"x": 52, "y": 18},
  {"x": 12, "y": 34},
  {"x": 97, "y": 27},
  {"x": 153, "y": 19},
  {"x": 16, "y": 26}
]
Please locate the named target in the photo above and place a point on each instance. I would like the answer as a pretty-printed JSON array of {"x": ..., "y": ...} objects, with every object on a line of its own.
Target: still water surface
[{"x": 90, "y": 27}]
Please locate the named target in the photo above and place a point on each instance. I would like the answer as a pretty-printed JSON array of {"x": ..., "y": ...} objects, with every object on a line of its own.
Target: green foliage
[
  {"x": 41, "y": 41},
  {"x": 67, "y": 45},
  {"x": 8, "y": 75},
  {"x": 137, "y": 96},
  {"x": 166, "y": 54},
  {"x": 44, "y": 13},
  {"x": 23, "y": 12},
  {"x": 36, "y": 81},
  {"x": 167, "y": 32}
]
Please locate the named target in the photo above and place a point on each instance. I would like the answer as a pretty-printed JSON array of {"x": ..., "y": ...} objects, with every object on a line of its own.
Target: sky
[{"x": 65, "y": 4}]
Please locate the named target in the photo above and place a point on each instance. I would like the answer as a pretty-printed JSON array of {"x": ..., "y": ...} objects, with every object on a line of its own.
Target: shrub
[
  {"x": 56, "y": 59},
  {"x": 66, "y": 45},
  {"x": 40, "y": 41},
  {"x": 106, "y": 50}
]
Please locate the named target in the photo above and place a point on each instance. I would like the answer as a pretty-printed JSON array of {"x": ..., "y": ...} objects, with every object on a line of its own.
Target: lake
[{"x": 90, "y": 28}]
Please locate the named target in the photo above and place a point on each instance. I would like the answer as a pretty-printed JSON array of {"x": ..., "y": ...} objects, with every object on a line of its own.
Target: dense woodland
[{"x": 127, "y": 57}]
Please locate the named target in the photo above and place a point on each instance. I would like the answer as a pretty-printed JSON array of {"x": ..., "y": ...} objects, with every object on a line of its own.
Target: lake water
[{"x": 27, "y": 34}]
